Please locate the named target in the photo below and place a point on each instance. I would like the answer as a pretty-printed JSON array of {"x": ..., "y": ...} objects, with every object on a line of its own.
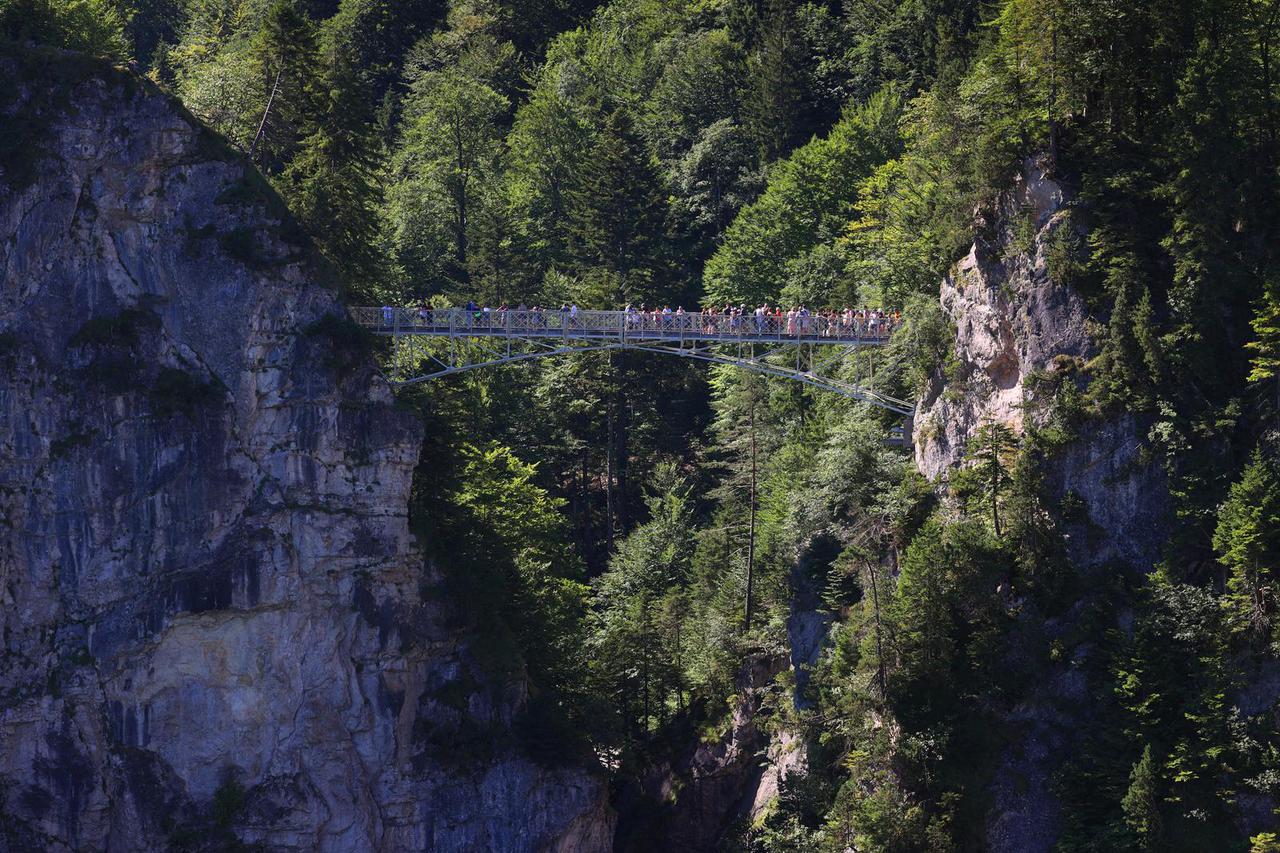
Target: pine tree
[
  {"x": 1247, "y": 540},
  {"x": 991, "y": 447},
  {"x": 285, "y": 55},
  {"x": 775, "y": 101},
  {"x": 617, "y": 209},
  {"x": 1265, "y": 348},
  {"x": 639, "y": 606},
  {"x": 1141, "y": 802},
  {"x": 332, "y": 183}
]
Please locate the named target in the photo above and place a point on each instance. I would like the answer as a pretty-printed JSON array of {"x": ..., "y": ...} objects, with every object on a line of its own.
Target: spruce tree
[
  {"x": 285, "y": 54},
  {"x": 1141, "y": 802}
]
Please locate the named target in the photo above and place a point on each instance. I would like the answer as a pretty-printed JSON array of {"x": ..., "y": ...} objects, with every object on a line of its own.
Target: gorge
[{"x": 256, "y": 595}]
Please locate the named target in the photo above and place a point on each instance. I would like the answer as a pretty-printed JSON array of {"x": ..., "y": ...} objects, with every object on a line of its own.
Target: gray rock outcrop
[
  {"x": 216, "y": 623},
  {"x": 1012, "y": 319},
  {"x": 1015, "y": 322}
]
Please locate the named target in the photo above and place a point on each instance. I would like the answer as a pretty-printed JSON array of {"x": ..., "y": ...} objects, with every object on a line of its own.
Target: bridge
[{"x": 802, "y": 348}]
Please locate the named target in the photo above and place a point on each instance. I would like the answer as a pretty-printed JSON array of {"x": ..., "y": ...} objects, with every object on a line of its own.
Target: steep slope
[
  {"x": 215, "y": 621},
  {"x": 1018, "y": 330}
]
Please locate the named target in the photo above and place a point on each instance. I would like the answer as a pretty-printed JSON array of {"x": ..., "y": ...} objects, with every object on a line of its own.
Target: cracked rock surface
[{"x": 215, "y": 619}]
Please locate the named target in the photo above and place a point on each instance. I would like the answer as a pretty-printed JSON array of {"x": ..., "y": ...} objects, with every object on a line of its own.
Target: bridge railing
[{"x": 862, "y": 326}]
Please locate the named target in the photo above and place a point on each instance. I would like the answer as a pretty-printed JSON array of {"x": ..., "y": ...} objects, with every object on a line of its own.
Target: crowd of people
[{"x": 797, "y": 321}]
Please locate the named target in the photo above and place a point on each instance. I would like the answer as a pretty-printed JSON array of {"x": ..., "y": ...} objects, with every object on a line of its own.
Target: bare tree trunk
[
  {"x": 644, "y": 668},
  {"x": 875, "y": 603},
  {"x": 995, "y": 499},
  {"x": 751, "y": 527},
  {"x": 1054, "y": 131},
  {"x": 622, "y": 447},
  {"x": 262, "y": 125},
  {"x": 582, "y": 490},
  {"x": 608, "y": 472},
  {"x": 679, "y": 662}
]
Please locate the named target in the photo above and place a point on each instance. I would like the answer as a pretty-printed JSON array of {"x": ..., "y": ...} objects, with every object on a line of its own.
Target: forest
[{"x": 631, "y": 532}]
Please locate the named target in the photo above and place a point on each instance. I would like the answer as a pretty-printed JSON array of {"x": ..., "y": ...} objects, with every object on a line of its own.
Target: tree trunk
[
  {"x": 622, "y": 447},
  {"x": 608, "y": 473},
  {"x": 751, "y": 526},
  {"x": 1055, "y": 132},
  {"x": 875, "y": 603},
  {"x": 262, "y": 125},
  {"x": 995, "y": 499},
  {"x": 584, "y": 494}
]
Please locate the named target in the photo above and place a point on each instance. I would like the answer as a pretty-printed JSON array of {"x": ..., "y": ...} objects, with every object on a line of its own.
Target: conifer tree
[
  {"x": 617, "y": 210},
  {"x": 991, "y": 448},
  {"x": 1247, "y": 540},
  {"x": 285, "y": 55},
  {"x": 331, "y": 183},
  {"x": 1141, "y": 802}
]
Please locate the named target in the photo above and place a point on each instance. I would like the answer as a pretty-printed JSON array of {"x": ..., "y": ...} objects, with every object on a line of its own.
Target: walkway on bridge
[
  {"x": 806, "y": 348},
  {"x": 861, "y": 328}
]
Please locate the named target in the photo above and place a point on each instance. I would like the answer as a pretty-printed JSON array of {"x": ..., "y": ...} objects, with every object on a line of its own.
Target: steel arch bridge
[{"x": 804, "y": 349}]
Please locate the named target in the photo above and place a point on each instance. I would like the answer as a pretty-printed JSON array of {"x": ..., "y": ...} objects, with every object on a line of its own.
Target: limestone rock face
[
  {"x": 1013, "y": 320},
  {"x": 214, "y": 619}
]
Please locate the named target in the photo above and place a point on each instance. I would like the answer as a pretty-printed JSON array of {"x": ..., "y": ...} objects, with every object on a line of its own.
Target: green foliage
[
  {"x": 636, "y": 643},
  {"x": 228, "y": 802},
  {"x": 743, "y": 151},
  {"x": 990, "y": 451},
  {"x": 446, "y": 165},
  {"x": 125, "y": 329},
  {"x": 809, "y": 198},
  {"x": 1247, "y": 540},
  {"x": 1266, "y": 346},
  {"x": 242, "y": 244},
  {"x": 512, "y": 560},
  {"x": 36, "y": 91},
  {"x": 1141, "y": 802},
  {"x": 947, "y": 620},
  {"x": 1174, "y": 688},
  {"x": 347, "y": 344},
  {"x": 95, "y": 27},
  {"x": 616, "y": 212}
]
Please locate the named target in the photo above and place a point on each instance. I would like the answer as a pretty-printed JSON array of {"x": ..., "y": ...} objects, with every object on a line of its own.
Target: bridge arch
[{"x": 813, "y": 346}]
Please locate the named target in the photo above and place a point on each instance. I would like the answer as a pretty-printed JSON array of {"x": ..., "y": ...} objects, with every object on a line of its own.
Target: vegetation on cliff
[{"x": 628, "y": 531}]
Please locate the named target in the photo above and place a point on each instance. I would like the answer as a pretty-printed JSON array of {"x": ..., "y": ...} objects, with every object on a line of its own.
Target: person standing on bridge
[{"x": 388, "y": 316}]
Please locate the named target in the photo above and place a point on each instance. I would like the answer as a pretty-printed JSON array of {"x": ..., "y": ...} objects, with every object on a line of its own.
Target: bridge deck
[{"x": 624, "y": 326}]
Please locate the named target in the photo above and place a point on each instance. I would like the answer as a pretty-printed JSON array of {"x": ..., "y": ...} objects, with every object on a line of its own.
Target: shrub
[
  {"x": 178, "y": 392},
  {"x": 348, "y": 343}
]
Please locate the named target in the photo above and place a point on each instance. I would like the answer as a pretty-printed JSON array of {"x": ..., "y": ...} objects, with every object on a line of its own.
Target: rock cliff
[
  {"x": 1016, "y": 322},
  {"x": 216, "y": 624}
]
